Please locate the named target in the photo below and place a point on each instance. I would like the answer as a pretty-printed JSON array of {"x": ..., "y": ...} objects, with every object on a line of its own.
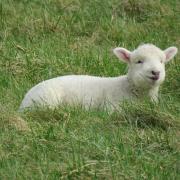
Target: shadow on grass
[
  {"x": 146, "y": 115},
  {"x": 140, "y": 115}
]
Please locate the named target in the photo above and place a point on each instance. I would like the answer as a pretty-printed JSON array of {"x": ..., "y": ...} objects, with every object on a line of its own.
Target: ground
[{"x": 44, "y": 39}]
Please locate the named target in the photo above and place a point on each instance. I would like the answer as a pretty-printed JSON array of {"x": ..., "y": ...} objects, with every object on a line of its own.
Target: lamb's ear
[
  {"x": 123, "y": 54},
  {"x": 170, "y": 53}
]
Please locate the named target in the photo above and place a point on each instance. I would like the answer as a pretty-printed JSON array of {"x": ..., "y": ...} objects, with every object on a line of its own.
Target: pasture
[{"x": 42, "y": 39}]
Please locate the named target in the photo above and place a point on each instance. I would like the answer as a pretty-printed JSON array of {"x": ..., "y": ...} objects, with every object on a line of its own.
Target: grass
[{"x": 44, "y": 39}]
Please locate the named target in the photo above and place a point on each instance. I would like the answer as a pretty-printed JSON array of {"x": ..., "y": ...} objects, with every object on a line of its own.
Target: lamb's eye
[
  {"x": 161, "y": 61},
  {"x": 139, "y": 62}
]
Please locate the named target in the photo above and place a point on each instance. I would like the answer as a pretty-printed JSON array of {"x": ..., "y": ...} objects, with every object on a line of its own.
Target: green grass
[{"x": 42, "y": 39}]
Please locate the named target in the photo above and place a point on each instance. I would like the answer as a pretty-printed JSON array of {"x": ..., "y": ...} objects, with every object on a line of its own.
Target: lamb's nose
[{"x": 156, "y": 73}]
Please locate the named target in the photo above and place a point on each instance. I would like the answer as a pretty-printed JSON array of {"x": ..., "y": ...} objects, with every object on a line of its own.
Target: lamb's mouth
[{"x": 154, "y": 78}]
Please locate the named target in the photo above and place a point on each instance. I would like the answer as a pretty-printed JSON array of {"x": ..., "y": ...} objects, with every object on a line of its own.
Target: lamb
[{"x": 146, "y": 72}]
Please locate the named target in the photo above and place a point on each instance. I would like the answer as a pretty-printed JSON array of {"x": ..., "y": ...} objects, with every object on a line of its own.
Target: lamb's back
[{"x": 68, "y": 89}]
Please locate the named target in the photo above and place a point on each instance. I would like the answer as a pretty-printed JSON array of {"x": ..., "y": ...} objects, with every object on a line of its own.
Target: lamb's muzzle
[{"x": 145, "y": 74}]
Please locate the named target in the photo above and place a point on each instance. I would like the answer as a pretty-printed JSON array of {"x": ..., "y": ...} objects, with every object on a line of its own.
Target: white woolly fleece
[{"x": 146, "y": 73}]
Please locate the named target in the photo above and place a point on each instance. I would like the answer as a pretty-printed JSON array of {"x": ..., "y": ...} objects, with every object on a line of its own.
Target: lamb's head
[{"x": 146, "y": 64}]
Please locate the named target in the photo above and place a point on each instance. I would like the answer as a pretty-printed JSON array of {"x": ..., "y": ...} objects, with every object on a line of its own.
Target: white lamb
[{"x": 146, "y": 73}]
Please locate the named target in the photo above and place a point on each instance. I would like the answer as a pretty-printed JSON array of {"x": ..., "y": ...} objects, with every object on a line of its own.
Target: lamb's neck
[{"x": 142, "y": 92}]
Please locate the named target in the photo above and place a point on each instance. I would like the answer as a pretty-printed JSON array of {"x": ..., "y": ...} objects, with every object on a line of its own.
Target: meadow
[{"x": 42, "y": 39}]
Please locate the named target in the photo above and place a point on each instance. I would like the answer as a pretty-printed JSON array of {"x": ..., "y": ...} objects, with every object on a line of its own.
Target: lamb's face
[{"x": 146, "y": 64}]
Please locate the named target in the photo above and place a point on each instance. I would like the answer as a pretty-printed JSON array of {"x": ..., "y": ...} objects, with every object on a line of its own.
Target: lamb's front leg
[{"x": 154, "y": 94}]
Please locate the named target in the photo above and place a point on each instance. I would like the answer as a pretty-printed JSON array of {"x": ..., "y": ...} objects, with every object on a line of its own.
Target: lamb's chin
[{"x": 146, "y": 83}]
